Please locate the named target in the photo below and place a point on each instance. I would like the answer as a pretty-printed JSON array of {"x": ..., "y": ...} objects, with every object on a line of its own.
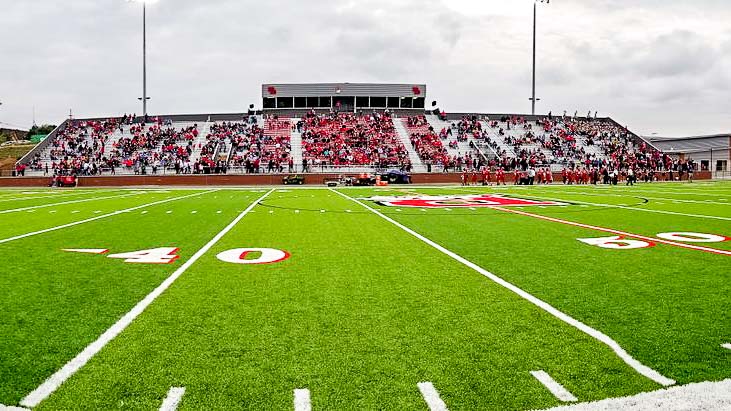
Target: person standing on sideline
[{"x": 630, "y": 177}]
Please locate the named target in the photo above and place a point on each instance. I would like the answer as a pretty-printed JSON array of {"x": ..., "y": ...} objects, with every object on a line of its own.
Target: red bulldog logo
[{"x": 460, "y": 201}]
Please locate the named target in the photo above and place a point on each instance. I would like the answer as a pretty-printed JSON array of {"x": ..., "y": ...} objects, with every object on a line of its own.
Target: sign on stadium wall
[{"x": 460, "y": 201}]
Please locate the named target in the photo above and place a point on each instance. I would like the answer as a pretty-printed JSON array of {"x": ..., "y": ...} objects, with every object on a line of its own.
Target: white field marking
[
  {"x": 642, "y": 195},
  {"x": 194, "y": 212},
  {"x": 558, "y": 390},
  {"x": 598, "y": 335},
  {"x": 87, "y": 250},
  {"x": 145, "y": 212},
  {"x": 647, "y": 210},
  {"x": 431, "y": 397},
  {"x": 708, "y": 193},
  {"x": 617, "y": 232},
  {"x": 697, "y": 396},
  {"x": 53, "y": 212},
  {"x": 15, "y": 210},
  {"x": 71, "y": 367},
  {"x": 296, "y": 211},
  {"x": 98, "y": 212},
  {"x": 219, "y": 212},
  {"x": 271, "y": 211},
  {"x": 169, "y": 212},
  {"x": 88, "y": 220},
  {"x": 56, "y": 195},
  {"x": 75, "y": 212},
  {"x": 302, "y": 400},
  {"x": 726, "y": 346},
  {"x": 171, "y": 402},
  {"x": 11, "y": 408}
]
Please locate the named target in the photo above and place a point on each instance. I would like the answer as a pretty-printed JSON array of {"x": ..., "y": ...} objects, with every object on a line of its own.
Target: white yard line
[
  {"x": 171, "y": 402},
  {"x": 558, "y": 390},
  {"x": 85, "y": 200},
  {"x": 647, "y": 210},
  {"x": 641, "y": 195},
  {"x": 10, "y": 408},
  {"x": 88, "y": 220},
  {"x": 302, "y": 401},
  {"x": 618, "y": 232},
  {"x": 59, "y": 377},
  {"x": 698, "y": 396},
  {"x": 431, "y": 397},
  {"x": 4, "y": 200},
  {"x": 598, "y": 335},
  {"x": 726, "y": 346}
]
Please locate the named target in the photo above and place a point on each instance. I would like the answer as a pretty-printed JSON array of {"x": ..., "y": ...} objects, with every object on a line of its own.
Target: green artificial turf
[{"x": 362, "y": 311}]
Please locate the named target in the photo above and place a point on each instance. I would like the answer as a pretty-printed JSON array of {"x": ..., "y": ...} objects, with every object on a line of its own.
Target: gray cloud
[{"x": 648, "y": 63}]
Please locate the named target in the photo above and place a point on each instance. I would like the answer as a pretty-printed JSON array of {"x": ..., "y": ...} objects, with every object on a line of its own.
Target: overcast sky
[{"x": 659, "y": 66}]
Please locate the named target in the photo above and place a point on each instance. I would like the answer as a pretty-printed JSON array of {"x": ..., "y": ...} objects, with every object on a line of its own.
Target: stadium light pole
[
  {"x": 535, "y": 14},
  {"x": 144, "y": 97}
]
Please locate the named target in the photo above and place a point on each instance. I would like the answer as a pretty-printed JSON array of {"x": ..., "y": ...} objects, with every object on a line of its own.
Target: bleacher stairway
[
  {"x": 403, "y": 135},
  {"x": 296, "y": 143}
]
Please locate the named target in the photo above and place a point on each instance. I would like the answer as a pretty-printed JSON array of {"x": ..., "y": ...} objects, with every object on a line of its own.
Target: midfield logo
[{"x": 460, "y": 201}]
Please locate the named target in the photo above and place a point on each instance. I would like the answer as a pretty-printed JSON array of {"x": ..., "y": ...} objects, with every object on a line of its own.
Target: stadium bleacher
[
  {"x": 340, "y": 139},
  {"x": 331, "y": 141}
]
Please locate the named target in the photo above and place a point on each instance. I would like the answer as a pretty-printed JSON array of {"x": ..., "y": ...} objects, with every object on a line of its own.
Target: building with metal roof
[{"x": 712, "y": 152}]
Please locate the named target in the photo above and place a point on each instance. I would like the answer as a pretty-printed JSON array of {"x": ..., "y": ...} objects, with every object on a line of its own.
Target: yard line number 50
[{"x": 622, "y": 243}]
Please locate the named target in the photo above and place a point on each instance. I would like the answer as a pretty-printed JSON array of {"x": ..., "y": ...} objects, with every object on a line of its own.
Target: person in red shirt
[
  {"x": 474, "y": 177},
  {"x": 549, "y": 176},
  {"x": 565, "y": 175},
  {"x": 464, "y": 178},
  {"x": 486, "y": 176},
  {"x": 539, "y": 176},
  {"x": 500, "y": 176}
]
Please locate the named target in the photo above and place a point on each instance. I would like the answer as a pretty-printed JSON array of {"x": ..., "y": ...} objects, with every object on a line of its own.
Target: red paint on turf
[
  {"x": 284, "y": 258},
  {"x": 621, "y": 233},
  {"x": 463, "y": 201}
]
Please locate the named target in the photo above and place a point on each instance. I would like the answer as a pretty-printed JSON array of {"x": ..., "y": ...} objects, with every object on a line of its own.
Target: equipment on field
[{"x": 293, "y": 179}]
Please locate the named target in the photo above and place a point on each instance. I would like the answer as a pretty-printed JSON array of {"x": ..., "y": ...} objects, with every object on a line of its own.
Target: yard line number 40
[
  {"x": 167, "y": 255},
  {"x": 622, "y": 243}
]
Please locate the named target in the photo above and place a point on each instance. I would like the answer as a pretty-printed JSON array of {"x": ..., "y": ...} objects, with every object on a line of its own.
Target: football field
[{"x": 402, "y": 297}]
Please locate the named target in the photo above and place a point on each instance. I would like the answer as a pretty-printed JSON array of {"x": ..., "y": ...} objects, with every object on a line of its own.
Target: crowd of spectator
[
  {"x": 256, "y": 149},
  {"x": 350, "y": 139},
  {"x": 588, "y": 148}
]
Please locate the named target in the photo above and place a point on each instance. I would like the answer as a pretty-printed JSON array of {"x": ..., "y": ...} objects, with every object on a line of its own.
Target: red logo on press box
[{"x": 460, "y": 201}]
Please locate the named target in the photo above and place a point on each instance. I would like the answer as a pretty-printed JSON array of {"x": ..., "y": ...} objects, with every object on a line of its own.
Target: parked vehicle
[{"x": 293, "y": 179}]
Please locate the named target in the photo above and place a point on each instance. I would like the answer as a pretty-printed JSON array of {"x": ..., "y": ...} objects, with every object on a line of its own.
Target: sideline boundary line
[
  {"x": 705, "y": 395},
  {"x": 85, "y": 200},
  {"x": 88, "y": 220},
  {"x": 60, "y": 195},
  {"x": 59, "y": 377},
  {"x": 596, "y": 334}
]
